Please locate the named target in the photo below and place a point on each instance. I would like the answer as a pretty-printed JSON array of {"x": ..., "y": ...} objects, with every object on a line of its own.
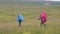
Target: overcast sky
[
  {"x": 29, "y": 0},
  {"x": 56, "y": 0},
  {"x": 46, "y": 0}
]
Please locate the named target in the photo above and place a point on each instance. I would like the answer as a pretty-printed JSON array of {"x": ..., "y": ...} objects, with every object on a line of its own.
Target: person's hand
[{"x": 39, "y": 18}]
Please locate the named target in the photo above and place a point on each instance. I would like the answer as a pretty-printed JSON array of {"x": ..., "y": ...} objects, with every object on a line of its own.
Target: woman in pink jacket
[{"x": 43, "y": 18}]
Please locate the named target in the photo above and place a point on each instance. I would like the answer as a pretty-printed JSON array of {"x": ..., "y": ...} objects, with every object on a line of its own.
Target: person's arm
[{"x": 39, "y": 17}]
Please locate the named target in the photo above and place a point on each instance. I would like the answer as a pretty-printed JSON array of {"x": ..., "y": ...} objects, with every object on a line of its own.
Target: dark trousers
[
  {"x": 43, "y": 23},
  {"x": 20, "y": 22}
]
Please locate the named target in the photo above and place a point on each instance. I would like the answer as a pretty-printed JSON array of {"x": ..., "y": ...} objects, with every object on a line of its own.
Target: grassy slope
[{"x": 31, "y": 25}]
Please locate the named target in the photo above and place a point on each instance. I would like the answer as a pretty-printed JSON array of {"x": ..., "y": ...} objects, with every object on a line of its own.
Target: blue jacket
[{"x": 20, "y": 17}]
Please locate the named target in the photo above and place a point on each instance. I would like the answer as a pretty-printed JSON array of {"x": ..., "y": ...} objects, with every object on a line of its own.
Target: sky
[
  {"x": 40, "y": 0},
  {"x": 43, "y": 0},
  {"x": 56, "y": 0},
  {"x": 47, "y": 0},
  {"x": 29, "y": 0}
]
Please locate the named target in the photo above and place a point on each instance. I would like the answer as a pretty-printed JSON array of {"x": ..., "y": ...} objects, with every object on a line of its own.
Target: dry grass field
[{"x": 31, "y": 24}]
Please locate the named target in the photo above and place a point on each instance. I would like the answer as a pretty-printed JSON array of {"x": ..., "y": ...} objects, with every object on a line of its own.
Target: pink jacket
[{"x": 43, "y": 17}]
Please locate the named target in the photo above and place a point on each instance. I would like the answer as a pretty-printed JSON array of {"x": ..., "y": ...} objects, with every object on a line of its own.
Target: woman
[
  {"x": 20, "y": 18},
  {"x": 43, "y": 18}
]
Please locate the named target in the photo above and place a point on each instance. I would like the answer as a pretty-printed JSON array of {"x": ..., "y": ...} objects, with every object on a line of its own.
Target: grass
[{"x": 31, "y": 24}]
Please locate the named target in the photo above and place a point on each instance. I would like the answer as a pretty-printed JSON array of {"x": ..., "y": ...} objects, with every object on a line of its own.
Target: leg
[
  {"x": 45, "y": 25},
  {"x": 41, "y": 24},
  {"x": 20, "y": 23}
]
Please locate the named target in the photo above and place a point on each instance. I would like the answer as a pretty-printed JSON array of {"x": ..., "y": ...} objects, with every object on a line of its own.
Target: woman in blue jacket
[{"x": 20, "y": 18}]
